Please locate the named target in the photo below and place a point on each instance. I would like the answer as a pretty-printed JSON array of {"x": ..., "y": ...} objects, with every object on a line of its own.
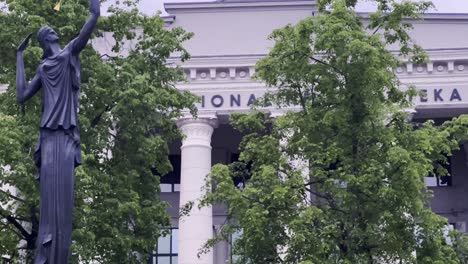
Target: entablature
[
  {"x": 226, "y": 84},
  {"x": 441, "y": 65}
]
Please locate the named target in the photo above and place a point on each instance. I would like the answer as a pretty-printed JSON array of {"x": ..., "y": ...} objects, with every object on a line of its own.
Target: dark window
[
  {"x": 446, "y": 180},
  {"x": 241, "y": 172},
  {"x": 167, "y": 249},
  {"x": 171, "y": 181}
]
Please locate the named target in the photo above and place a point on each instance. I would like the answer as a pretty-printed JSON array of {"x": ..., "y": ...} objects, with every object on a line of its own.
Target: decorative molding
[
  {"x": 450, "y": 65},
  {"x": 220, "y": 73},
  {"x": 235, "y": 72},
  {"x": 193, "y": 74},
  {"x": 435, "y": 67},
  {"x": 252, "y": 70},
  {"x": 232, "y": 72},
  {"x": 409, "y": 67},
  {"x": 197, "y": 132},
  {"x": 212, "y": 73},
  {"x": 430, "y": 67}
]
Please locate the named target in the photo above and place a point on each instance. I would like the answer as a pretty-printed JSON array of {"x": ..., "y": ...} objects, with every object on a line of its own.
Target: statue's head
[{"x": 46, "y": 36}]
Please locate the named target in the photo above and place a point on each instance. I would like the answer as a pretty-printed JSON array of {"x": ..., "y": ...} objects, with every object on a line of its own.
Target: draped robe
[{"x": 57, "y": 154}]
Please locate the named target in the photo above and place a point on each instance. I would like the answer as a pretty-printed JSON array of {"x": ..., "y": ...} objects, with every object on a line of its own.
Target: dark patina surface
[{"x": 58, "y": 146}]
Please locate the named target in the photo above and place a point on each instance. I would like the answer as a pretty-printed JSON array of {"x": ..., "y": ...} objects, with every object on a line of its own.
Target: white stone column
[{"x": 196, "y": 228}]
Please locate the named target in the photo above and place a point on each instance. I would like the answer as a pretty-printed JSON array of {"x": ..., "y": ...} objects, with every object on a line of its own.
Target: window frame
[{"x": 154, "y": 257}]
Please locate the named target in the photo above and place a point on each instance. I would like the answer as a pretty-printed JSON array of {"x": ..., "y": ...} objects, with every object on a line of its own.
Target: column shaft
[{"x": 196, "y": 228}]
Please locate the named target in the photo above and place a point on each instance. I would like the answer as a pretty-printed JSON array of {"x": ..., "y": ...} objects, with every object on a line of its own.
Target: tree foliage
[
  {"x": 340, "y": 180},
  {"x": 127, "y": 113}
]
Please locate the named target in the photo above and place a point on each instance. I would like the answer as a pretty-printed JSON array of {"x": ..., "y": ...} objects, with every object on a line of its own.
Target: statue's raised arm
[
  {"x": 78, "y": 44},
  {"x": 24, "y": 90}
]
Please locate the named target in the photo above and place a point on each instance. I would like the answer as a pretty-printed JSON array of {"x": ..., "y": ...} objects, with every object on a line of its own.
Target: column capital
[
  {"x": 198, "y": 131},
  {"x": 207, "y": 120}
]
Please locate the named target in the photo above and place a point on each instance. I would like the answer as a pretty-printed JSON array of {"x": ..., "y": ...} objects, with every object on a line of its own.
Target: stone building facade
[{"x": 230, "y": 37}]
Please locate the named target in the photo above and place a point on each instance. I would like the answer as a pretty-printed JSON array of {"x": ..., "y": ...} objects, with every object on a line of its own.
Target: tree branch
[
  {"x": 301, "y": 97},
  {"x": 327, "y": 64},
  {"x": 9, "y": 227},
  {"x": 99, "y": 116},
  {"x": 16, "y": 224},
  {"x": 313, "y": 182},
  {"x": 329, "y": 199},
  {"x": 12, "y": 196},
  {"x": 377, "y": 29}
]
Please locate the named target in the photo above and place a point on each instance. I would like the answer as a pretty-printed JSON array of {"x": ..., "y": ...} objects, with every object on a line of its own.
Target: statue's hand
[
  {"x": 25, "y": 43},
  {"x": 94, "y": 7}
]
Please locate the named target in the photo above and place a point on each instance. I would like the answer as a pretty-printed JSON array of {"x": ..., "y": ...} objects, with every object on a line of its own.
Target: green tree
[
  {"x": 462, "y": 248},
  {"x": 128, "y": 108},
  {"x": 340, "y": 180}
]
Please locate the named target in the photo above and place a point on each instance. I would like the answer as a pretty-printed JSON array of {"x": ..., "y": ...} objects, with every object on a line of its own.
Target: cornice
[
  {"x": 168, "y": 19},
  {"x": 246, "y": 60},
  {"x": 177, "y": 6},
  {"x": 432, "y": 17},
  {"x": 242, "y": 6},
  {"x": 444, "y": 17},
  {"x": 454, "y": 53}
]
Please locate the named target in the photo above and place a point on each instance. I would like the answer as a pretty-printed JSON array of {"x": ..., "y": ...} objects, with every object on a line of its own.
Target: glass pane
[
  {"x": 166, "y": 187},
  {"x": 176, "y": 187},
  {"x": 174, "y": 260},
  {"x": 175, "y": 241},
  {"x": 164, "y": 245},
  {"x": 234, "y": 237},
  {"x": 164, "y": 260}
]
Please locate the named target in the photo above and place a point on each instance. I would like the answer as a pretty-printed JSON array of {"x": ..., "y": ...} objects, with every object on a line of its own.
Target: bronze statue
[{"x": 58, "y": 147}]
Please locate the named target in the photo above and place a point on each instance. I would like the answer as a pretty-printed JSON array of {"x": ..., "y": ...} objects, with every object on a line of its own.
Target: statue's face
[
  {"x": 47, "y": 36},
  {"x": 52, "y": 35}
]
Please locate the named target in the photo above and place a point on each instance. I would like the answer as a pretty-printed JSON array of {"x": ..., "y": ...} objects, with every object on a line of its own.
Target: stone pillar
[{"x": 196, "y": 228}]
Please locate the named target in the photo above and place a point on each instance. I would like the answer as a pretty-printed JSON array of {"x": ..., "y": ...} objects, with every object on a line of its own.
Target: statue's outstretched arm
[
  {"x": 24, "y": 91},
  {"x": 79, "y": 43}
]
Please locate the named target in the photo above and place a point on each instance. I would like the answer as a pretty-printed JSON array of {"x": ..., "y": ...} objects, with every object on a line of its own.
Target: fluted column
[{"x": 196, "y": 228}]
